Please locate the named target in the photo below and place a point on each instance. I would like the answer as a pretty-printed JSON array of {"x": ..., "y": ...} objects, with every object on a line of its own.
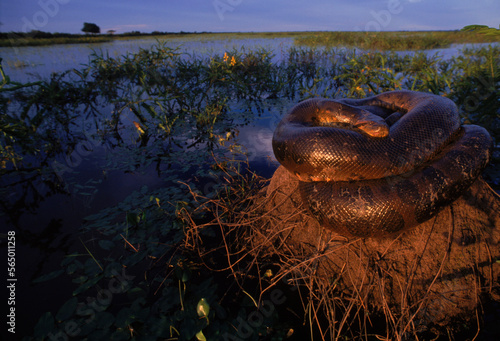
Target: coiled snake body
[{"x": 377, "y": 166}]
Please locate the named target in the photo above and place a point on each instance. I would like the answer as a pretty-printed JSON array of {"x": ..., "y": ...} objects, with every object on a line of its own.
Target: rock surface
[{"x": 435, "y": 273}]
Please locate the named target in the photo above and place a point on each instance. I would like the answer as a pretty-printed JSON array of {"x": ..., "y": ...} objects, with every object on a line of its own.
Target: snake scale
[{"x": 377, "y": 166}]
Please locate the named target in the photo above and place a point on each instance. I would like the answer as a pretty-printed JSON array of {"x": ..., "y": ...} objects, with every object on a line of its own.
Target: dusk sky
[{"x": 246, "y": 15}]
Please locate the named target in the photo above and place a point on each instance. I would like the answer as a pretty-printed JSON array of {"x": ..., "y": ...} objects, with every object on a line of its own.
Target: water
[
  {"x": 46, "y": 211},
  {"x": 31, "y": 63}
]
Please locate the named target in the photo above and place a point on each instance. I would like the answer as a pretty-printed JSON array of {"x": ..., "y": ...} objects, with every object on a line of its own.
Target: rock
[{"x": 434, "y": 274}]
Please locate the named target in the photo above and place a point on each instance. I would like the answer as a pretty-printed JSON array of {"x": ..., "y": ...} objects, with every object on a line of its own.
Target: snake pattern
[{"x": 378, "y": 166}]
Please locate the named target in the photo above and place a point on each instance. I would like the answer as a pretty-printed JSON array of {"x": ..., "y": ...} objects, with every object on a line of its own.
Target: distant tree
[
  {"x": 111, "y": 32},
  {"x": 474, "y": 27},
  {"x": 132, "y": 33},
  {"x": 91, "y": 28},
  {"x": 482, "y": 29}
]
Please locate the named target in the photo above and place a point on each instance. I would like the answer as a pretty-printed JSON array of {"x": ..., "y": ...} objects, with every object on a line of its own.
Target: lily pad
[
  {"x": 49, "y": 276},
  {"x": 67, "y": 309},
  {"x": 44, "y": 326}
]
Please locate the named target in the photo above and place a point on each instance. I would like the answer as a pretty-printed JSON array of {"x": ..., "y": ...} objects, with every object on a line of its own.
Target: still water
[
  {"x": 32, "y": 62},
  {"x": 46, "y": 214}
]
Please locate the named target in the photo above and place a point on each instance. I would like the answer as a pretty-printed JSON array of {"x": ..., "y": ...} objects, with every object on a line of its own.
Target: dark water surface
[{"x": 46, "y": 210}]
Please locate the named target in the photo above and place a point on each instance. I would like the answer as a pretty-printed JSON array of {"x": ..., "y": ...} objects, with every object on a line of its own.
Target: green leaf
[
  {"x": 80, "y": 279},
  {"x": 136, "y": 292},
  {"x": 68, "y": 259},
  {"x": 99, "y": 334},
  {"x": 200, "y": 336},
  {"x": 87, "y": 285},
  {"x": 49, "y": 276},
  {"x": 111, "y": 269},
  {"x": 203, "y": 308},
  {"x": 91, "y": 268},
  {"x": 124, "y": 317},
  {"x": 135, "y": 258},
  {"x": 67, "y": 309},
  {"x": 106, "y": 244},
  {"x": 120, "y": 334},
  {"x": 88, "y": 327},
  {"x": 132, "y": 218},
  {"x": 71, "y": 269},
  {"x": 44, "y": 326},
  {"x": 104, "y": 319}
]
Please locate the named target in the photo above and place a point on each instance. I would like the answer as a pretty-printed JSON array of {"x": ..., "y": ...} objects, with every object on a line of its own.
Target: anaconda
[{"x": 377, "y": 166}]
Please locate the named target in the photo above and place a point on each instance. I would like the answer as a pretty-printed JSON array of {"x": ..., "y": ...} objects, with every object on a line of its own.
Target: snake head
[
  {"x": 331, "y": 112},
  {"x": 376, "y": 129}
]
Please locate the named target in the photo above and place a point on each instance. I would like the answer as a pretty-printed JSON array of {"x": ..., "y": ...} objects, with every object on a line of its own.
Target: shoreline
[{"x": 382, "y": 40}]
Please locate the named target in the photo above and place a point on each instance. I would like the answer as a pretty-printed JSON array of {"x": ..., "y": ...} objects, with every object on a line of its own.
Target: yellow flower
[
  {"x": 225, "y": 57},
  {"x": 233, "y": 61}
]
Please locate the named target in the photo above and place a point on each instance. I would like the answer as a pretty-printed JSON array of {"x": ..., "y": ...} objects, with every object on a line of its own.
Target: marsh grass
[
  {"x": 15, "y": 40},
  {"x": 37, "y": 38},
  {"x": 179, "y": 114},
  {"x": 395, "y": 41},
  {"x": 381, "y": 41}
]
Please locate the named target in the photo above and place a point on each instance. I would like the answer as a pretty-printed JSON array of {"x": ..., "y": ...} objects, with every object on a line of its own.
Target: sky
[{"x": 147, "y": 16}]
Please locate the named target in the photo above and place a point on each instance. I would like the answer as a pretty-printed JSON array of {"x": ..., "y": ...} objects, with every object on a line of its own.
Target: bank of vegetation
[{"x": 400, "y": 40}]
